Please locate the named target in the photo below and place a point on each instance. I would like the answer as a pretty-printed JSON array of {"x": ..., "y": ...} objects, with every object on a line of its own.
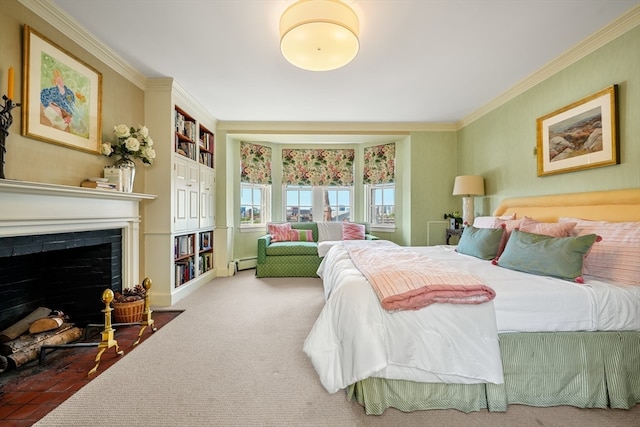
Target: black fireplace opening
[{"x": 64, "y": 271}]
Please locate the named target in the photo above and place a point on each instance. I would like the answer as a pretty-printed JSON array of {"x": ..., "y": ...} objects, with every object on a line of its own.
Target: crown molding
[
  {"x": 68, "y": 26},
  {"x": 598, "y": 39},
  {"x": 342, "y": 128}
]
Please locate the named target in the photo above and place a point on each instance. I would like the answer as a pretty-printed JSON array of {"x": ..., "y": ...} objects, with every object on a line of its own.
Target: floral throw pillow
[{"x": 280, "y": 232}]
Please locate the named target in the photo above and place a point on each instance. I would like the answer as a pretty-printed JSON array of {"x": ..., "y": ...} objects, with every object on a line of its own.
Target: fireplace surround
[{"x": 38, "y": 220}]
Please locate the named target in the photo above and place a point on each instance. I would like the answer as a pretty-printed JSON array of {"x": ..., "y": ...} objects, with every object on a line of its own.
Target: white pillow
[
  {"x": 329, "y": 230},
  {"x": 323, "y": 247},
  {"x": 491, "y": 221}
]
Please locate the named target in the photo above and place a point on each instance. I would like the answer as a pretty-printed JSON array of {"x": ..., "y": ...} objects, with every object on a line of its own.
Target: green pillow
[
  {"x": 560, "y": 257},
  {"x": 481, "y": 243}
]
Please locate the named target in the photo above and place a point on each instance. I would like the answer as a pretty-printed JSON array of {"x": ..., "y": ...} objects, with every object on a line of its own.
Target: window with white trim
[
  {"x": 337, "y": 203},
  {"x": 254, "y": 209},
  {"x": 305, "y": 203},
  {"x": 298, "y": 203},
  {"x": 379, "y": 180},
  {"x": 255, "y": 185},
  {"x": 382, "y": 204}
]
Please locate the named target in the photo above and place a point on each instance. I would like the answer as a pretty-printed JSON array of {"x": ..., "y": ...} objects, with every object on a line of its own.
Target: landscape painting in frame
[
  {"x": 61, "y": 96},
  {"x": 579, "y": 136}
]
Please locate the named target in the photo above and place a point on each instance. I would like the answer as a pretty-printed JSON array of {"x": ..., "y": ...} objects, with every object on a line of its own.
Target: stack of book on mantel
[{"x": 100, "y": 184}]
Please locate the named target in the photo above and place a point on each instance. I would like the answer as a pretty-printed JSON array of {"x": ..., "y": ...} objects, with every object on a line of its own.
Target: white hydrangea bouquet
[{"x": 131, "y": 143}]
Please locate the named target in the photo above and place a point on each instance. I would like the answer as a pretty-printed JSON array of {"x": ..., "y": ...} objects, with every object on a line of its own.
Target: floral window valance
[
  {"x": 379, "y": 164},
  {"x": 318, "y": 166},
  {"x": 255, "y": 163}
]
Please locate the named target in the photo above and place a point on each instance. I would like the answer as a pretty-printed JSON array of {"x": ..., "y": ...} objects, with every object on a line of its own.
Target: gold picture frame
[
  {"x": 582, "y": 135},
  {"x": 62, "y": 96}
]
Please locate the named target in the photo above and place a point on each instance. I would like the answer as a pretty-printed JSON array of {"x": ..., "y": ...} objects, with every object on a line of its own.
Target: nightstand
[{"x": 452, "y": 232}]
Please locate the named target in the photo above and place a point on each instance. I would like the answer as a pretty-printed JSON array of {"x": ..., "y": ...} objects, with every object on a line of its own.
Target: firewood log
[
  {"x": 28, "y": 354},
  {"x": 22, "y": 326},
  {"x": 46, "y": 324},
  {"x": 27, "y": 340}
]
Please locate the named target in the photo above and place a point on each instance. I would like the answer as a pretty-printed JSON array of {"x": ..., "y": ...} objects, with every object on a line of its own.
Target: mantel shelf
[{"x": 26, "y": 187}]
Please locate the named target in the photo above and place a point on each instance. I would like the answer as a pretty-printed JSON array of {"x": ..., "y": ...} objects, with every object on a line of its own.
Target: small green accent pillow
[
  {"x": 560, "y": 257},
  {"x": 481, "y": 243}
]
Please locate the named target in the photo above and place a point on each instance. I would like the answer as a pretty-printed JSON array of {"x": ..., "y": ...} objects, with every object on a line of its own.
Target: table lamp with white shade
[{"x": 468, "y": 186}]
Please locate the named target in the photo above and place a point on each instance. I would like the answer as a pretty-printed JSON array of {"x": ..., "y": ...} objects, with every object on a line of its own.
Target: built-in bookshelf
[
  {"x": 181, "y": 221},
  {"x": 205, "y": 251},
  {"x": 184, "y": 258},
  {"x": 186, "y": 134},
  {"x": 206, "y": 145}
]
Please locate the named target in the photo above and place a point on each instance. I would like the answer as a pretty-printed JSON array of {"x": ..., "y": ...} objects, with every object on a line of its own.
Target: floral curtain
[
  {"x": 317, "y": 166},
  {"x": 255, "y": 163},
  {"x": 379, "y": 164}
]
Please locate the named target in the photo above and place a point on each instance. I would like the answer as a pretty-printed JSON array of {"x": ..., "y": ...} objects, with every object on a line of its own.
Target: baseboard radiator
[{"x": 246, "y": 263}]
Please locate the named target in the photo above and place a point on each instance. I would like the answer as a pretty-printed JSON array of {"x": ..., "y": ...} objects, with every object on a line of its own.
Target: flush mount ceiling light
[{"x": 319, "y": 35}]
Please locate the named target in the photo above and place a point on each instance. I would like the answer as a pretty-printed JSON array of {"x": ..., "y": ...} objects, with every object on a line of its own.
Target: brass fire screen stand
[{"x": 108, "y": 340}]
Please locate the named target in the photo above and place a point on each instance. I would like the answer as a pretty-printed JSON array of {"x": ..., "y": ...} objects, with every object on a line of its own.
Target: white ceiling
[{"x": 427, "y": 61}]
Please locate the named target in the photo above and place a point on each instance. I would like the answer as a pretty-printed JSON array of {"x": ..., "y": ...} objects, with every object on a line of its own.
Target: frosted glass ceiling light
[{"x": 319, "y": 35}]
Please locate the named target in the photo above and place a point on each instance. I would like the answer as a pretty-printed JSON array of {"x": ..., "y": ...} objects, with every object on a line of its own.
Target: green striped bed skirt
[{"x": 582, "y": 369}]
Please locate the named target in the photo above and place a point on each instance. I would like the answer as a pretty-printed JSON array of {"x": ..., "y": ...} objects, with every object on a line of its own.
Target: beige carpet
[{"x": 234, "y": 358}]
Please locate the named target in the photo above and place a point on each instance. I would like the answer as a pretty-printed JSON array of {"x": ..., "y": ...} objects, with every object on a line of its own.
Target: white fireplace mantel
[{"x": 30, "y": 208}]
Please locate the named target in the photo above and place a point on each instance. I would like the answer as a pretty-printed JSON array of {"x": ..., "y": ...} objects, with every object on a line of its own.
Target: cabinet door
[
  {"x": 193, "y": 184},
  {"x": 181, "y": 188},
  {"x": 207, "y": 196},
  {"x": 186, "y": 184}
]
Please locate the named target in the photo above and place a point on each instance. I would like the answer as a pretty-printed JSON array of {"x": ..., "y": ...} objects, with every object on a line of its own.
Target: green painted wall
[
  {"x": 432, "y": 168},
  {"x": 500, "y": 144}
]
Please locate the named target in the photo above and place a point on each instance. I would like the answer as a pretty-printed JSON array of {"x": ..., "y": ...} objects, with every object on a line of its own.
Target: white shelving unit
[{"x": 182, "y": 217}]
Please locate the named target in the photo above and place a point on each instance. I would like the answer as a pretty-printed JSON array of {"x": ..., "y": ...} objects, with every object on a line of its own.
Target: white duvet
[{"x": 355, "y": 338}]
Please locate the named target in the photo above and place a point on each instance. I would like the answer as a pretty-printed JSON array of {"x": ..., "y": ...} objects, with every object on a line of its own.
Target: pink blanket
[{"x": 405, "y": 280}]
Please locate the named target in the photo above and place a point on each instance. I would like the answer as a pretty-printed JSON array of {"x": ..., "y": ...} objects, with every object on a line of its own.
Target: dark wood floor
[{"x": 30, "y": 392}]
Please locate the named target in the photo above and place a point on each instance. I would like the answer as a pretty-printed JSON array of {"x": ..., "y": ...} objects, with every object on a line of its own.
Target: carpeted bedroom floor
[{"x": 234, "y": 358}]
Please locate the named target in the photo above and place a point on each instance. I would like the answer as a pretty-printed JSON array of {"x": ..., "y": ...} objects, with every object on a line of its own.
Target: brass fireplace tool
[
  {"x": 146, "y": 316},
  {"x": 107, "y": 333},
  {"x": 108, "y": 340}
]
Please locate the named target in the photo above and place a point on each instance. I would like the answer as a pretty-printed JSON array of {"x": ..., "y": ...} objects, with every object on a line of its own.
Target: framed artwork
[
  {"x": 62, "y": 96},
  {"x": 582, "y": 135}
]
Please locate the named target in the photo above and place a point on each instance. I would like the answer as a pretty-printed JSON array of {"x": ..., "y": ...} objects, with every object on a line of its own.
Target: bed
[{"x": 583, "y": 350}]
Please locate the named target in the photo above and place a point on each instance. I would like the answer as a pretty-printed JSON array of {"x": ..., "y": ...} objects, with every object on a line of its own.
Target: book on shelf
[
  {"x": 205, "y": 240},
  {"x": 183, "y": 245},
  {"x": 99, "y": 185},
  {"x": 183, "y": 272},
  {"x": 205, "y": 262}
]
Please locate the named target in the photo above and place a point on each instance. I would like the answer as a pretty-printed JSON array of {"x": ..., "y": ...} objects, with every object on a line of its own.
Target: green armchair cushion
[{"x": 292, "y": 248}]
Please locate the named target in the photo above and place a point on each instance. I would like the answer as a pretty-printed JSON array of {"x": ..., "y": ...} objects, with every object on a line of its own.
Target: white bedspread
[
  {"x": 529, "y": 303},
  {"x": 355, "y": 338}
]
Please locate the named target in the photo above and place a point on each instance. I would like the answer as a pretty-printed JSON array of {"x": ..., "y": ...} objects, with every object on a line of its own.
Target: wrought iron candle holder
[{"x": 5, "y": 123}]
